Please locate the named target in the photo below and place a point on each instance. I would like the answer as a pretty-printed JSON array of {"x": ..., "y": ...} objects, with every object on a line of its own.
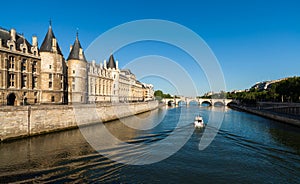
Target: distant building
[
  {"x": 260, "y": 86},
  {"x": 148, "y": 92},
  {"x": 29, "y": 75}
]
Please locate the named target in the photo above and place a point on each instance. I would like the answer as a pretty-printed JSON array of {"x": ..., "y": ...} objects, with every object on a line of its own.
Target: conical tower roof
[
  {"x": 47, "y": 43},
  {"x": 75, "y": 51},
  {"x": 111, "y": 63}
]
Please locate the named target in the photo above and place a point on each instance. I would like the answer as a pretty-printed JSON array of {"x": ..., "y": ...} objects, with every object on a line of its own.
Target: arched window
[{"x": 52, "y": 99}]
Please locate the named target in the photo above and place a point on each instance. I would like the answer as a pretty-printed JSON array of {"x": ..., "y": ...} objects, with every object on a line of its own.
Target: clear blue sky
[{"x": 253, "y": 40}]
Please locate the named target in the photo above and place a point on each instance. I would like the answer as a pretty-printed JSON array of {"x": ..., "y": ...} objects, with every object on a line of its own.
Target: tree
[{"x": 158, "y": 94}]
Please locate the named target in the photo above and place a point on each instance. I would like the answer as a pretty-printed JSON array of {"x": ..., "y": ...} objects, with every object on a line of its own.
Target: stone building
[
  {"x": 130, "y": 90},
  {"x": 53, "y": 71},
  {"x": 148, "y": 92},
  {"x": 20, "y": 65},
  {"x": 77, "y": 74},
  {"x": 100, "y": 83},
  {"x": 29, "y": 75}
]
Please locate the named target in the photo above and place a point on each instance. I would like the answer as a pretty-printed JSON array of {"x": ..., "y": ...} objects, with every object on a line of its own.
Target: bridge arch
[
  {"x": 193, "y": 102},
  {"x": 206, "y": 103},
  {"x": 181, "y": 103},
  {"x": 219, "y": 103},
  {"x": 170, "y": 102}
]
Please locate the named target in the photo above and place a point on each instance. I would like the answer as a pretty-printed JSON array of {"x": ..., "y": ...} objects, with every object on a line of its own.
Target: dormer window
[
  {"x": 24, "y": 50},
  {"x": 11, "y": 47},
  {"x": 34, "y": 53}
]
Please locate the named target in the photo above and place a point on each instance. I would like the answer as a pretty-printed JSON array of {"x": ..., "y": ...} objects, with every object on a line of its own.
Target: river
[{"x": 246, "y": 149}]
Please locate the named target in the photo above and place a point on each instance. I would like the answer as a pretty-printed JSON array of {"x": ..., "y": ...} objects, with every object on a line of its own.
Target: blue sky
[{"x": 253, "y": 40}]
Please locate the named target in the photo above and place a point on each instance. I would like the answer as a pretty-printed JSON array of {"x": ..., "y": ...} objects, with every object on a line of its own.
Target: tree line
[
  {"x": 287, "y": 90},
  {"x": 159, "y": 95}
]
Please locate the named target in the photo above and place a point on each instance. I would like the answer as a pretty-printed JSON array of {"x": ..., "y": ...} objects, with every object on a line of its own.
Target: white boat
[{"x": 199, "y": 122}]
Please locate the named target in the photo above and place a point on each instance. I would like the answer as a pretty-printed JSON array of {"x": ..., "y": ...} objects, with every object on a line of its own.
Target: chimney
[
  {"x": 71, "y": 48},
  {"x": 104, "y": 63},
  {"x": 117, "y": 65},
  {"x": 34, "y": 41},
  {"x": 13, "y": 34}
]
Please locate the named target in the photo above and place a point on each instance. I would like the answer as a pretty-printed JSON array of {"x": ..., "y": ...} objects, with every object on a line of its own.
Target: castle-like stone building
[{"x": 32, "y": 75}]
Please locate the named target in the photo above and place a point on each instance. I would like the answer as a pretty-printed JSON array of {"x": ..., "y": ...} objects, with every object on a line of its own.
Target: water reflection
[{"x": 286, "y": 135}]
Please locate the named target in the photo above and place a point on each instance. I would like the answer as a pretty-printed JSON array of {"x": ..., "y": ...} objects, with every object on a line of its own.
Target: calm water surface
[{"x": 247, "y": 149}]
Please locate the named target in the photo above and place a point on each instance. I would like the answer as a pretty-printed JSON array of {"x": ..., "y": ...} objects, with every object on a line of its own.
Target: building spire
[
  {"x": 77, "y": 33},
  {"x": 47, "y": 44},
  {"x": 76, "y": 51}
]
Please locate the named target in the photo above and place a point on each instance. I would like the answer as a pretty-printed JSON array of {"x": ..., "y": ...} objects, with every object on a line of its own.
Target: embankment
[
  {"x": 24, "y": 121},
  {"x": 268, "y": 114}
]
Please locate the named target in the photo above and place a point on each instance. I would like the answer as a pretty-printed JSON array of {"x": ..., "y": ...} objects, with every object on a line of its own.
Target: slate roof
[
  {"x": 111, "y": 62},
  {"x": 5, "y": 36},
  {"x": 47, "y": 43},
  {"x": 74, "y": 54}
]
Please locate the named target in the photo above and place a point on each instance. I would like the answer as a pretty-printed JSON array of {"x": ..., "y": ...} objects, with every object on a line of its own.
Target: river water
[{"x": 246, "y": 149}]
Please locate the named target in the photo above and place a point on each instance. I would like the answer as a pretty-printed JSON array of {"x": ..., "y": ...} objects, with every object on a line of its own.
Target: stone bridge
[{"x": 198, "y": 101}]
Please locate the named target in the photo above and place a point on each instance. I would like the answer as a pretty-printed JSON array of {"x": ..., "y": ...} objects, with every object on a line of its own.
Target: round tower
[
  {"x": 77, "y": 74},
  {"x": 53, "y": 71},
  {"x": 112, "y": 66}
]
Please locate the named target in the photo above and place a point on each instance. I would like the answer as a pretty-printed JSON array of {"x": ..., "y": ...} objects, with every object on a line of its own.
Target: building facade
[
  {"x": 20, "y": 66},
  {"x": 32, "y": 75}
]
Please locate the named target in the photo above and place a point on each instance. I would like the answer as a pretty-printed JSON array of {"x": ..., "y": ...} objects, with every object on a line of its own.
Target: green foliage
[
  {"x": 159, "y": 95},
  {"x": 284, "y": 91}
]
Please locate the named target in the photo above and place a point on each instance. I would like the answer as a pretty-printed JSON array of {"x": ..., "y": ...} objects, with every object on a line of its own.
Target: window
[
  {"x": 34, "y": 66},
  {"x": 11, "y": 63},
  {"x": 50, "y": 76},
  {"x": 35, "y": 93},
  {"x": 24, "y": 81},
  {"x": 73, "y": 71},
  {"x": 11, "y": 47},
  {"x": 34, "y": 53},
  {"x": 11, "y": 80},
  {"x": 73, "y": 79},
  {"x": 50, "y": 84},
  {"x": 73, "y": 86},
  {"x": 23, "y": 65},
  {"x": 24, "y": 50},
  {"x": 52, "y": 99},
  {"x": 50, "y": 66},
  {"x": 34, "y": 84}
]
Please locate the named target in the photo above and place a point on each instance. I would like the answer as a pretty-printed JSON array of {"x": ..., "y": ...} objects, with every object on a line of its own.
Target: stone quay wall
[
  {"x": 24, "y": 121},
  {"x": 284, "y": 118}
]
